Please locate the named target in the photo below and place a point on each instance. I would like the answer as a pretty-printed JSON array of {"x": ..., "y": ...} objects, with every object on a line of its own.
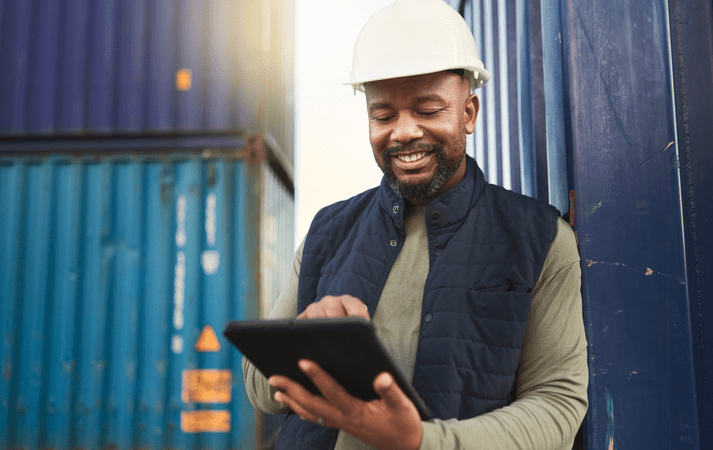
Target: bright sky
[{"x": 332, "y": 153}]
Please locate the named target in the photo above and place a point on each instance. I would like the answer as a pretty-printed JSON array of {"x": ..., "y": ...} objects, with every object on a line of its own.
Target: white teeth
[{"x": 412, "y": 157}]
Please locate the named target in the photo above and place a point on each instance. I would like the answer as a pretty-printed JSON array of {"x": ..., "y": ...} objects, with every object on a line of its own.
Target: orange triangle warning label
[{"x": 207, "y": 341}]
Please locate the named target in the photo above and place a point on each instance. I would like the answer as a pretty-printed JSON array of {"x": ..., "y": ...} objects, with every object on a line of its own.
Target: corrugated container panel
[
  {"x": 115, "y": 270},
  {"x": 77, "y": 67},
  {"x": 279, "y": 79},
  {"x": 277, "y": 241},
  {"x": 691, "y": 31},
  {"x": 277, "y": 252},
  {"x": 503, "y": 141},
  {"x": 555, "y": 104},
  {"x": 159, "y": 93},
  {"x": 491, "y": 99}
]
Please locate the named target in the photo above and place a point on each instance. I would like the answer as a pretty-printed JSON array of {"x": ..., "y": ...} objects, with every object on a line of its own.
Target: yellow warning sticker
[
  {"x": 207, "y": 341},
  {"x": 205, "y": 421},
  {"x": 206, "y": 386}
]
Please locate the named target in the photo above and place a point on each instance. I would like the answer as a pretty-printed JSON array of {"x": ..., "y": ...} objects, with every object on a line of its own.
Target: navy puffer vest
[{"x": 486, "y": 246}]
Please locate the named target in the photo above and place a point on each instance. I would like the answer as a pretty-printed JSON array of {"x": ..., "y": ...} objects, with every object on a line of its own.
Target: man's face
[{"x": 417, "y": 129}]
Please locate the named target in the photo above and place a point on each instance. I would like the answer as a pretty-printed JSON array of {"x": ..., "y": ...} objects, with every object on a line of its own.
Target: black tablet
[{"x": 347, "y": 348}]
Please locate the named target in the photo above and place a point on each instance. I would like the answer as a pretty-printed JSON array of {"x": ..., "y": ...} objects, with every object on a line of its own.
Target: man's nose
[{"x": 406, "y": 129}]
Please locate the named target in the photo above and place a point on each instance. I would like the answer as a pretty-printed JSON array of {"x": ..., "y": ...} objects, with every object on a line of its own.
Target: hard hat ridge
[{"x": 415, "y": 37}]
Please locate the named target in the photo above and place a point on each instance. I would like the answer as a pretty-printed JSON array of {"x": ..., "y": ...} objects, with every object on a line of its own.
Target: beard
[{"x": 427, "y": 189}]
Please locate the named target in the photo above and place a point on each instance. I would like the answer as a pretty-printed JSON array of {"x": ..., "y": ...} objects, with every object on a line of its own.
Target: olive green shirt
[{"x": 551, "y": 383}]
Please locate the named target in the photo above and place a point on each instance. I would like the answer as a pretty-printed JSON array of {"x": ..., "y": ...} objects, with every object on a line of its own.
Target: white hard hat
[{"x": 415, "y": 37}]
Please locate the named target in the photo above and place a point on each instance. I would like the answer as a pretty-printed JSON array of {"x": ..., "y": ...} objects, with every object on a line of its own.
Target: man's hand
[
  {"x": 331, "y": 307},
  {"x": 389, "y": 422}
]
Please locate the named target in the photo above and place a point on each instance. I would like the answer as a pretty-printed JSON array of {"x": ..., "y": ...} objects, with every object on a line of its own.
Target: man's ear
[{"x": 472, "y": 106}]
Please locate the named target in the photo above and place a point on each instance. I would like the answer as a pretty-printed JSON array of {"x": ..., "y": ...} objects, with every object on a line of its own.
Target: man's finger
[
  {"x": 313, "y": 311},
  {"x": 333, "y": 307},
  {"x": 302, "y": 402},
  {"x": 386, "y": 388},
  {"x": 331, "y": 390},
  {"x": 295, "y": 407},
  {"x": 355, "y": 308}
]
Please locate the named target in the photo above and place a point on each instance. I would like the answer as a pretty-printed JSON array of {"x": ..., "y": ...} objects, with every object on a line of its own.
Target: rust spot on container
[
  {"x": 255, "y": 150},
  {"x": 7, "y": 370},
  {"x": 161, "y": 365},
  {"x": 211, "y": 174},
  {"x": 68, "y": 366},
  {"x": 166, "y": 184}
]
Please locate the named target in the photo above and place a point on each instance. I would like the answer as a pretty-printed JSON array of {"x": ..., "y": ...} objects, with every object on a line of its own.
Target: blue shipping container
[
  {"x": 119, "y": 273},
  {"x": 110, "y": 67}
]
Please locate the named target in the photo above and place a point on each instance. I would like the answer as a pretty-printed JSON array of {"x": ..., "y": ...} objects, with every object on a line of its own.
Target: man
[{"x": 472, "y": 288}]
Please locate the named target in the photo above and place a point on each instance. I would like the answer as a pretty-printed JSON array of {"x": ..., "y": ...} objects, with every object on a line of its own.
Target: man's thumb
[{"x": 385, "y": 386}]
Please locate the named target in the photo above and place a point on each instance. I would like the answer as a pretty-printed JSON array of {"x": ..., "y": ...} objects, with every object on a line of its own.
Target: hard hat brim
[{"x": 477, "y": 76}]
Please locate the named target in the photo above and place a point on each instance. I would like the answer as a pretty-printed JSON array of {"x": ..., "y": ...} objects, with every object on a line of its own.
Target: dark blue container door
[
  {"x": 625, "y": 160},
  {"x": 612, "y": 100}
]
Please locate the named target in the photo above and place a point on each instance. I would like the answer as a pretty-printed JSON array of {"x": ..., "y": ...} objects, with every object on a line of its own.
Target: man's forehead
[
  {"x": 377, "y": 102},
  {"x": 419, "y": 88},
  {"x": 427, "y": 81}
]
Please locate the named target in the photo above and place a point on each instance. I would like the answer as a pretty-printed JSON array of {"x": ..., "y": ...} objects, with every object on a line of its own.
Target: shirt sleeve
[
  {"x": 260, "y": 394},
  {"x": 551, "y": 385}
]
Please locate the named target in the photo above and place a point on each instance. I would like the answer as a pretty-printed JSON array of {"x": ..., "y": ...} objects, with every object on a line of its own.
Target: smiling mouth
[{"x": 412, "y": 157}]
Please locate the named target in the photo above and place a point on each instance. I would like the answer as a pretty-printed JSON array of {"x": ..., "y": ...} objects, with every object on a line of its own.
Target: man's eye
[
  {"x": 382, "y": 118},
  {"x": 429, "y": 112}
]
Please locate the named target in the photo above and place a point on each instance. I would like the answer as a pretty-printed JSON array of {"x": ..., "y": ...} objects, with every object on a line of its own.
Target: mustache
[{"x": 391, "y": 151}]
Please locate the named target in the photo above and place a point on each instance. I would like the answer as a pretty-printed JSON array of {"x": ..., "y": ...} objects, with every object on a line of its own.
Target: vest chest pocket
[
  {"x": 500, "y": 313},
  {"x": 507, "y": 286}
]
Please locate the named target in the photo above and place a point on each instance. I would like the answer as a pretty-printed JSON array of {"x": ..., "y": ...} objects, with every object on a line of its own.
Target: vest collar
[{"x": 445, "y": 210}]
